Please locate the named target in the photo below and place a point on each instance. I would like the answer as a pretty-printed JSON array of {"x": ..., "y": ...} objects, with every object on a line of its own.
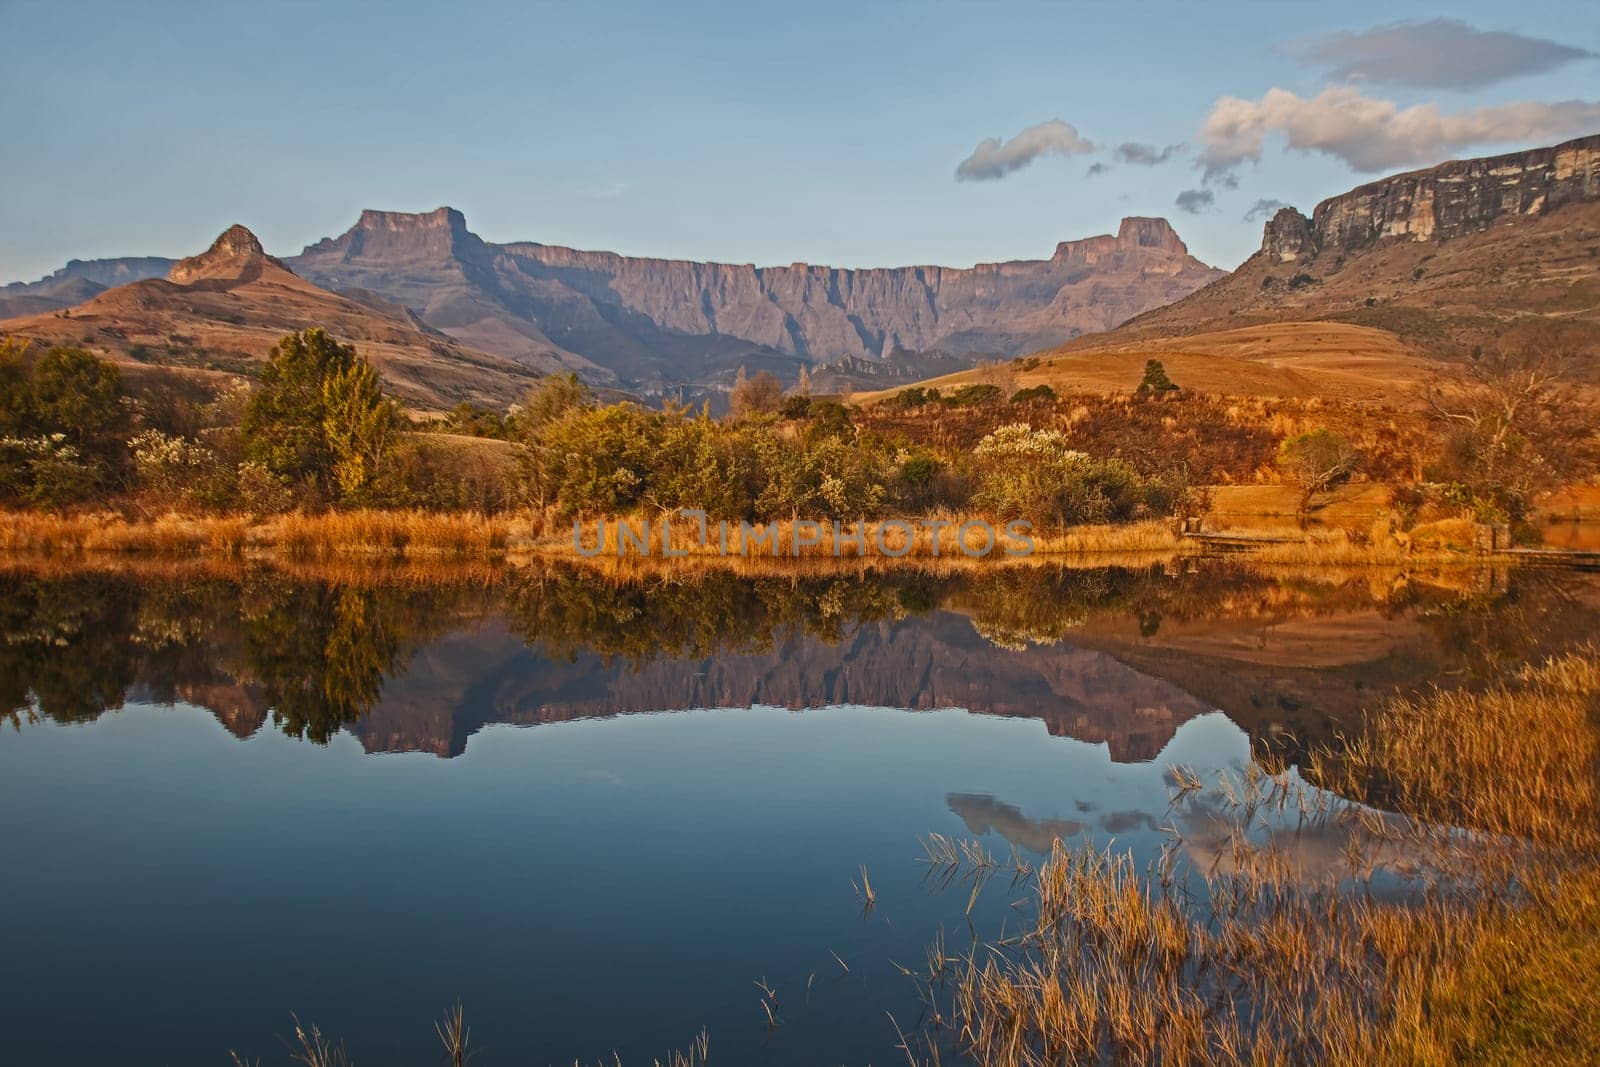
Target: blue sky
[{"x": 764, "y": 132}]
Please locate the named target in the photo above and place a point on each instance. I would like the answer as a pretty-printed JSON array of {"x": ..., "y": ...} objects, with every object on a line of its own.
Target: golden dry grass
[
  {"x": 462, "y": 535},
  {"x": 1156, "y": 537},
  {"x": 1325, "y": 360},
  {"x": 378, "y": 533},
  {"x": 1491, "y": 963}
]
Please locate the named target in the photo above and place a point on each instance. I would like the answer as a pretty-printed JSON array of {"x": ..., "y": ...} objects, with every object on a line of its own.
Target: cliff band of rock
[
  {"x": 1448, "y": 201},
  {"x": 641, "y": 319}
]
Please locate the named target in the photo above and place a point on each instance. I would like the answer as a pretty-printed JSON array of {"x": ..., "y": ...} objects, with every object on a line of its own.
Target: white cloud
[
  {"x": 1436, "y": 54},
  {"x": 994, "y": 158},
  {"x": 1371, "y": 134}
]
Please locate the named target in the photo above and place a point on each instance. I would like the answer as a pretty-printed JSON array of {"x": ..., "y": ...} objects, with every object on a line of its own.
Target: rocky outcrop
[
  {"x": 1448, "y": 201},
  {"x": 1288, "y": 236},
  {"x": 230, "y": 256},
  {"x": 647, "y": 319}
]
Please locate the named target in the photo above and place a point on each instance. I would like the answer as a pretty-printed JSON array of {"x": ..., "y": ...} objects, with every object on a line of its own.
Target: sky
[{"x": 850, "y": 134}]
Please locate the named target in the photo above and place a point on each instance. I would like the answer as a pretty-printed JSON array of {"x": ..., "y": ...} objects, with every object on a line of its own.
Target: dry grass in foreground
[
  {"x": 430, "y": 534},
  {"x": 409, "y": 533},
  {"x": 419, "y": 535},
  {"x": 1492, "y": 961},
  {"x": 311, "y": 1048}
]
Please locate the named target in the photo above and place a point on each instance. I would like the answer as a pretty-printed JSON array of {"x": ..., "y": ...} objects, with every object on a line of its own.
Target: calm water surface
[{"x": 600, "y": 812}]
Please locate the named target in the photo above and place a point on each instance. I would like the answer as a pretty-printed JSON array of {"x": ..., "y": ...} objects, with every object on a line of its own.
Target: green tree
[
  {"x": 1155, "y": 381},
  {"x": 358, "y": 422},
  {"x": 62, "y": 424},
  {"x": 552, "y": 398},
  {"x": 1317, "y": 461},
  {"x": 319, "y": 418}
]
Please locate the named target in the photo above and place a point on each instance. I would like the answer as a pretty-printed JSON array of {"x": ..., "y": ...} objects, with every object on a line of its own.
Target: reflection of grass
[{"x": 1492, "y": 963}]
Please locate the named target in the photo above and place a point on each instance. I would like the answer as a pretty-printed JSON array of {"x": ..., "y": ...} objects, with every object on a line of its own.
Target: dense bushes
[
  {"x": 316, "y": 431},
  {"x": 590, "y": 459},
  {"x": 1033, "y": 474},
  {"x": 62, "y": 423},
  {"x": 616, "y": 458}
]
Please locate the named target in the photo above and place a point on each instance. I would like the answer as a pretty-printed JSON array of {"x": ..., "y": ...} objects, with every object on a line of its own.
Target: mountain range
[
  {"x": 649, "y": 325},
  {"x": 1378, "y": 284}
]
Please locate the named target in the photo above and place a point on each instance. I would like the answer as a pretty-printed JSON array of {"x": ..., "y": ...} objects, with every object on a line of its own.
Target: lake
[{"x": 610, "y": 812}]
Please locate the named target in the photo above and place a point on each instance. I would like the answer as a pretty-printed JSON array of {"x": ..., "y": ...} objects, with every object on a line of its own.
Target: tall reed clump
[
  {"x": 1490, "y": 959},
  {"x": 371, "y": 532}
]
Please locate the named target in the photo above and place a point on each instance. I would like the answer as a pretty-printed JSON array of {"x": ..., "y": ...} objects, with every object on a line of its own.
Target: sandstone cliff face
[
  {"x": 1444, "y": 202},
  {"x": 675, "y": 320}
]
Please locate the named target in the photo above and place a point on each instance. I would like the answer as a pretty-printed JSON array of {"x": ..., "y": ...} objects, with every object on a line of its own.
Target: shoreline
[{"x": 430, "y": 537}]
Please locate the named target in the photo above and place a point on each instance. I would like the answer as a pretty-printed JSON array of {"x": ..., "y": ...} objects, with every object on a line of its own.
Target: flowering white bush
[
  {"x": 171, "y": 469},
  {"x": 1034, "y": 475},
  {"x": 43, "y": 469}
]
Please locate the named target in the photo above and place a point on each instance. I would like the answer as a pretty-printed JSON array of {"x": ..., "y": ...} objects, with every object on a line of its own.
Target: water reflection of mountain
[
  {"x": 1116, "y": 656},
  {"x": 459, "y": 683}
]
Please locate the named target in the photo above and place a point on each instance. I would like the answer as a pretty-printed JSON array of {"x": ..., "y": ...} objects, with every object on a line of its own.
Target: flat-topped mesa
[
  {"x": 1135, "y": 232},
  {"x": 400, "y": 236},
  {"x": 1451, "y": 200},
  {"x": 229, "y": 256},
  {"x": 1139, "y": 231}
]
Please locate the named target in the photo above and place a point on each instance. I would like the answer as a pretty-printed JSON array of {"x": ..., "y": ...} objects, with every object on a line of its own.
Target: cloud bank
[
  {"x": 1370, "y": 134},
  {"x": 994, "y": 158},
  {"x": 1436, "y": 54}
]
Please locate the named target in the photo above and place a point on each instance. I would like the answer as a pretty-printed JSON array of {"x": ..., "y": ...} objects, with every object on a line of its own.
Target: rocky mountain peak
[
  {"x": 1288, "y": 235},
  {"x": 1145, "y": 232},
  {"x": 1135, "y": 232},
  {"x": 401, "y": 237},
  {"x": 229, "y": 255},
  {"x": 440, "y": 218}
]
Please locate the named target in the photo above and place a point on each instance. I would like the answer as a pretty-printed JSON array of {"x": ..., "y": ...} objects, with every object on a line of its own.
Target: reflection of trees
[
  {"x": 318, "y": 650},
  {"x": 568, "y": 611},
  {"x": 74, "y": 645},
  {"x": 66, "y": 644}
]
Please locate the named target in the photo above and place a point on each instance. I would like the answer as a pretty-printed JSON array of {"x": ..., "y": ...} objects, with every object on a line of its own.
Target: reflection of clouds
[
  {"x": 982, "y": 813},
  {"x": 1343, "y": 841},
  {"x": 1120, "y": 822}
]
